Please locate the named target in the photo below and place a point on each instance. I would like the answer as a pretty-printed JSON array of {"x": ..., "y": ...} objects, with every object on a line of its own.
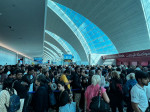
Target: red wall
[
  {"x": 144, "y": 61},
  {"x": 131, "y": 58}
]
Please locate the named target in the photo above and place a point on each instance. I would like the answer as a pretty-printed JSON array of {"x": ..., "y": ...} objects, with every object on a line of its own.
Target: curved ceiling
[
  {"x": 22, "y": 25},
  {"x": 59, "y": 40},
  {"x": 54, "y": 42},
  {"x": 51, "y": 51},
  {"x": 53, "y": 47},
  {"x": 121, "y": 20},
  {"x": 57, "y": 26},
  {"x": 90, "y": 35},
  {"x": 68, "y": 48},
  {"x": 146, "y": 8}
]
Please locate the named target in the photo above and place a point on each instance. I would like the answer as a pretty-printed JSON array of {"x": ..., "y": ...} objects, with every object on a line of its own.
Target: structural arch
[{"x": 69, "y": 49}]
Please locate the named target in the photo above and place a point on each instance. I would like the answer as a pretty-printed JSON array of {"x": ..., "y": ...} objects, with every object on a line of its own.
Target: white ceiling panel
[
  {"x": 121, "y": 20},
  {"x": 22, "y": 25}
]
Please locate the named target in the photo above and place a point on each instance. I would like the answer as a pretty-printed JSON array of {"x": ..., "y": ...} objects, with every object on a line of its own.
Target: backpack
[{"x": 14, "y": 102}]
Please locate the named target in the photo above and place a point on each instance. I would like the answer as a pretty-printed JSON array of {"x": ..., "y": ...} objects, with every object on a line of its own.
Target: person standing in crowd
[
  {"x": 22, "y": 69},
  {"x": 29, "y": 79},
  {"x": 139, "y": 99},
  {"x": 13, "y": 73},
  {"x": 93, "y": 90},
  {"x": 40, "y": 69},
  {"x": 19, "y": 86},
  {"x": 64, "y": 96},
  {"x": 1, "y": 71},
  {"x": 41, "y": 95},
  {"x": 65, "y": 103},
  {"x": 116, "y": 92},
  {"x": 131, "y": 81},
  {"x": 76, "y": 84},
  {"x": 84, "y": 83},
  {"x": 148, "y": 91},
  {"x": 46, "y": 73},
  {"x": 5, "y": 95},
  {"x": 64, "y": 78},
  {"x": 4, "y": 73}
]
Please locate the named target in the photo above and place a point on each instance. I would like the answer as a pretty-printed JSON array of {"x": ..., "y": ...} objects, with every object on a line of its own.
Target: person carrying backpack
[{"x": 9, "y": 101}]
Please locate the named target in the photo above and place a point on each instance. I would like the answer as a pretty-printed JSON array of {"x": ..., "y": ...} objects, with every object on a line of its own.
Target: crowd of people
[{"x": 44, "y": 88}]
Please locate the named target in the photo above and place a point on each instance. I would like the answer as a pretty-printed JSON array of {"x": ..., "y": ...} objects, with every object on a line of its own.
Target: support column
[
  {"x": 16, "y": 58},
  {"x": 89, "y": 59}
]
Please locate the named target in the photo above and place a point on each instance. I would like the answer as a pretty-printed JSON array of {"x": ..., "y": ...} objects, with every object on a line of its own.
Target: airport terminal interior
[{"x": 57, "y": 55}]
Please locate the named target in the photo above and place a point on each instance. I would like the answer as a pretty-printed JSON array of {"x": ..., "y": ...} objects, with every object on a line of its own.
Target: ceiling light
[{"x": 6, "y": 47}]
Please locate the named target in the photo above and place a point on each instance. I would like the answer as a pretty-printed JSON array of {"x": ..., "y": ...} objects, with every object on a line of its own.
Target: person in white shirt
[
  {"x": 148, "y": 90},
  {"x": 139, "y": 99}
]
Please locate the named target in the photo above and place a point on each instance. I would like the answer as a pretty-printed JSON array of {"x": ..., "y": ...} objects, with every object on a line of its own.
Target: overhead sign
[
  {"x": 38, "y": 59},
  {"x": 67, "y": 60},
  {"x": 68, "y": 57}
]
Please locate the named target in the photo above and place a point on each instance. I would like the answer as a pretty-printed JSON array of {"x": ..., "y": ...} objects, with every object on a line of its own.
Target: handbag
[
  {"x": 70, "y": 107},
  {"x": 104, "y": 107},
  {"x": 98, "y": 104},
  {"x": 52, "y": 100},
  {"x": 95, "y": 103}
]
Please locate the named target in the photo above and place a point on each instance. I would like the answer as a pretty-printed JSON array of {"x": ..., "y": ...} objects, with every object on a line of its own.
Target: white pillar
[{"x": 89, "y": 59}]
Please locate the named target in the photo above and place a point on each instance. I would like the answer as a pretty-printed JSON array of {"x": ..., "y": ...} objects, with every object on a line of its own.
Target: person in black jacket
[
  {"x": 116, "y": 92},
  {"x": 84, "y": 83},
  {"x": 29, "y": 80},
  {"x": 41, "y": 95},
  {"x": 64, "y": 96},
  {"x": 76, "y": 84},
  {"x": 19, "y": 86}
]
